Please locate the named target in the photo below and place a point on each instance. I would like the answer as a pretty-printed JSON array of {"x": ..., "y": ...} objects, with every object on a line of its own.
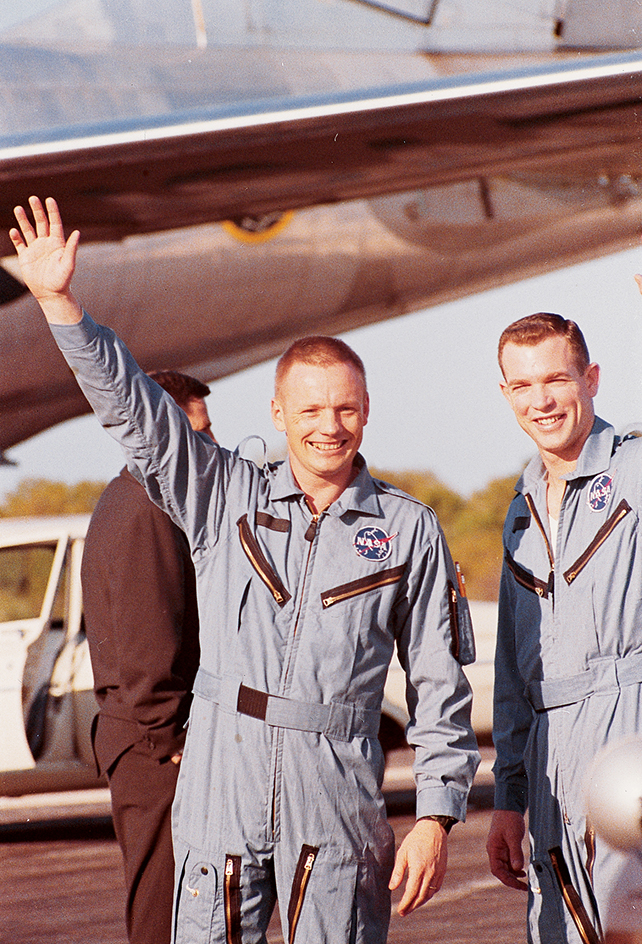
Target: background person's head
[{"x": 190, "y": 395}]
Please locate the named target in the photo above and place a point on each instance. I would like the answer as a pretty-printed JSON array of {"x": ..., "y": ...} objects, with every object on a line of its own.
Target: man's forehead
[
  {"x": 301, "y": 371},
  {"x": 553, "y": 347}
]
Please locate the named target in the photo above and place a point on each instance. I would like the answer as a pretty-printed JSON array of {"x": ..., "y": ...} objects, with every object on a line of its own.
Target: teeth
[
  {"x": 547, "y": 421},
  {"x": 327, "y": 447}
]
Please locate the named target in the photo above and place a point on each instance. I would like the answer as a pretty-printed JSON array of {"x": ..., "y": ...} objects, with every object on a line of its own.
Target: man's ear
[
  {"x": 506, "y": 391},
  {"x": 592, "y": 375},
  {"x": 277, "y": 415},
  {"x": 366, "y": 408}
]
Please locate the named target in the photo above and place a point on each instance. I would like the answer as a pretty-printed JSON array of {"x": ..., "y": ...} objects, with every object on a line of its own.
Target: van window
[{"x": 24, "y": 572}]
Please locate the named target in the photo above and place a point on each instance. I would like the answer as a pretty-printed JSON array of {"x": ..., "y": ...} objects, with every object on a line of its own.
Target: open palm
[{"x": 47, "y": 261}]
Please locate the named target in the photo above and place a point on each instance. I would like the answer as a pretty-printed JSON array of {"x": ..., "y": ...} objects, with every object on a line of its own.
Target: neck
[
  {"x": 320, "y": 492},
  {"x": 556, "y": 467},
  {"x": 555, "y": 489}
]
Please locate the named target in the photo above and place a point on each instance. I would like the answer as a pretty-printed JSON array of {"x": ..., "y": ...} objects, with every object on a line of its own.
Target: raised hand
[{"x": 47, "y": 261}]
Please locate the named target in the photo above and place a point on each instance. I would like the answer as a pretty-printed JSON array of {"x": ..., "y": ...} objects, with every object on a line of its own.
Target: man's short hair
[
  {"x": 181, "y": 387},
  {"x": 321, "y": 351},
  {"x": 535, "y": 328}
]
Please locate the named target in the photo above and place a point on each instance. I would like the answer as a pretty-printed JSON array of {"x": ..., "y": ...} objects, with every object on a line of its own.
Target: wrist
[
  {"x": 447, "y": 822},
  {"x": 62, "y": 309}
]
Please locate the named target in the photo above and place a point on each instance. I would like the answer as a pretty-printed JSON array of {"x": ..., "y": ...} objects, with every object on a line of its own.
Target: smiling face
[
  {"x": 551, "y": 397},
  {"x": 322, "y": 409}
]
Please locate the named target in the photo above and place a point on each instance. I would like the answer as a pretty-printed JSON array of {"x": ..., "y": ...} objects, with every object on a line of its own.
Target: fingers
[
  {"x": 47, "y": 223},
  {"x": 507, "y": 874},
  {"x": 419, "y": 889},
  {"x": 26, "y": 234},
  {"x": 638, "y": 279},
  {"x": 40, "y": 217},
  {"x": 54, "y": 222},
  {"x": 507, "y": 865},
  {"x": 422, "y": 859}
]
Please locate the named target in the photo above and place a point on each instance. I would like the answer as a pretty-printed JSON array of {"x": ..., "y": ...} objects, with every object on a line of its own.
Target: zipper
[
  {"x": 362, "y": 585},
  {"x": 300, "y": 881},
  {"x": 528, "y": 580},
  {"x": 453, "y": 608},
  {"x": 260, "y": 564},
  {"x": 309, "y": 536},
  {"x": 538, "y": 522},
  {"x": 232, "y": 896},
  {"x": 609, "y": 525},
  {"x": 572, "y": 899},
  {"x": 589, "y": 840}
]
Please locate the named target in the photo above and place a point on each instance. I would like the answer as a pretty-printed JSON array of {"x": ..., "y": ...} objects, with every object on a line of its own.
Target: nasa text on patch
[
  {"x": 373, "y": 543},
  {"x": 600, "y": 492}
]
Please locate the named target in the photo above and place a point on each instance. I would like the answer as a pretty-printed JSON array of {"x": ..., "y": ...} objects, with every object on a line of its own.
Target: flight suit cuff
[
  {"x": 76, "y": 336},
  {"x": 511, "y": 796},
  {"x": 440, "y": 801}
]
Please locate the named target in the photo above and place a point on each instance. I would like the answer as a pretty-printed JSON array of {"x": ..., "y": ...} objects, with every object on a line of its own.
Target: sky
[
  {"x": 433, "y": 375},
  {"x": 433, "y": 381}
]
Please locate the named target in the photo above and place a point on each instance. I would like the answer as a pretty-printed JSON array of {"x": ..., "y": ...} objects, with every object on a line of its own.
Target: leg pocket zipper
[
  {"x": 232, "y": 894},
  {"x": 299, "y": 886}
]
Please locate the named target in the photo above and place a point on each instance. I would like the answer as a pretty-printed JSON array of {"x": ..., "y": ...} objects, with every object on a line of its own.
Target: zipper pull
[
  {"x": 312, "y": 528},
  {"x": 309, "y": 862},
  {"x": 229, "y": 867}
]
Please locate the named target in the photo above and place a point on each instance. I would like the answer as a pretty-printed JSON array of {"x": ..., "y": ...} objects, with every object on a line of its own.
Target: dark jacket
[{"x": 141, "y": 619}]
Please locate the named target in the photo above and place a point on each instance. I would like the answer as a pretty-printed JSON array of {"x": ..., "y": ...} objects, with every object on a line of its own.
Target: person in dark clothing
[{"x": 141, "y": 619}]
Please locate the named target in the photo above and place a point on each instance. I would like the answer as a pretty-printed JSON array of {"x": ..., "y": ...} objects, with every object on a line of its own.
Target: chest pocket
[
  {"x": 355, "y": 588},
  {"x": 528, "y": 580},
  {"x": 260, "y": 563},
  {"x": 607, "y": 528}
]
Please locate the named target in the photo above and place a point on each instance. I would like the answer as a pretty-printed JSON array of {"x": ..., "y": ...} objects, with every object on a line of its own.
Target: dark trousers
[{"x": 142, "y": 791}]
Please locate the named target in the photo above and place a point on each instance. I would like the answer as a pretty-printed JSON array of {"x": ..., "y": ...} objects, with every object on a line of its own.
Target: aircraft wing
[
  {"x": 416, "y": 179},
  {"x": 206, "y": 146}
]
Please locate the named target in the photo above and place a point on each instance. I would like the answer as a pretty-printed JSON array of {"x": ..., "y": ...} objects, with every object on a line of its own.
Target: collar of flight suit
[
  {"x": 360, "y": 495},
  {"x": 594, "y": 458}
]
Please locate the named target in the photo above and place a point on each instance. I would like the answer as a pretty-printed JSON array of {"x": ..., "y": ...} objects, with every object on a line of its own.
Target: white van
[{"x": 46, "y": 685}]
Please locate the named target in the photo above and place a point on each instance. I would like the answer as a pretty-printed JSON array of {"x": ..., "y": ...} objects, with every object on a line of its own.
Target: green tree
[
  {"x": 43, "y": 497},
  {"x": 473, "y": 526},
  {"x": 476, "y": 539},
  {"x": 427, "y": 488}
]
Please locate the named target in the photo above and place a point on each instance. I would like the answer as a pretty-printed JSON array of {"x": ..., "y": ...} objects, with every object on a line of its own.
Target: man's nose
[
  {"x": 542, "y": 397},
  {"x": 330, "y": 422}
]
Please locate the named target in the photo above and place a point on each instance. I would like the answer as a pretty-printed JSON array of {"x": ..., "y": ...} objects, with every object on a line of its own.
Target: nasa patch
[
  {"x": 373, "y": 543},
  {"x": 600, "y": 492}
]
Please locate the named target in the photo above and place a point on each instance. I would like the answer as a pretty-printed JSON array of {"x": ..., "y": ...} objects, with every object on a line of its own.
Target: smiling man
[
  {"x": 568, "y": 666},
  {"x": 310, "y": 573}
]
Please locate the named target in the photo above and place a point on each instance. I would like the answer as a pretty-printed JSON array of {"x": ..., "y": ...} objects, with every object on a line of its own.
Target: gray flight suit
[
  {"x": 279, "y": 792},
  {"x": 568, "y": 672}
]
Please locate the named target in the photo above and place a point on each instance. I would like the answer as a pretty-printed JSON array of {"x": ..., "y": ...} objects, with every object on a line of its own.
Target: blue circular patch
[
  {"x": 600, "y": 492},
  {"x": 373, "y": 543}
]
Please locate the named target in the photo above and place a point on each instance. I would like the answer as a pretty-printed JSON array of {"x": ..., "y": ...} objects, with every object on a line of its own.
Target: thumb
[
  {"x": 517, "y": 858},
  {"x": 398, "y": 872}
]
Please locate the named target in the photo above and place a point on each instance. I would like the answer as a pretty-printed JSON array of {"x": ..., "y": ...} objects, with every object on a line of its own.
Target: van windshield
[{"x": 24, "y": 573}]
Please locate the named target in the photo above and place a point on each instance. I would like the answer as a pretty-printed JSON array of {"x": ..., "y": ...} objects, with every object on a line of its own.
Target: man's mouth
[
  {"x": 546, "y": 421},
  {"x": 327, "y": 447}
]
